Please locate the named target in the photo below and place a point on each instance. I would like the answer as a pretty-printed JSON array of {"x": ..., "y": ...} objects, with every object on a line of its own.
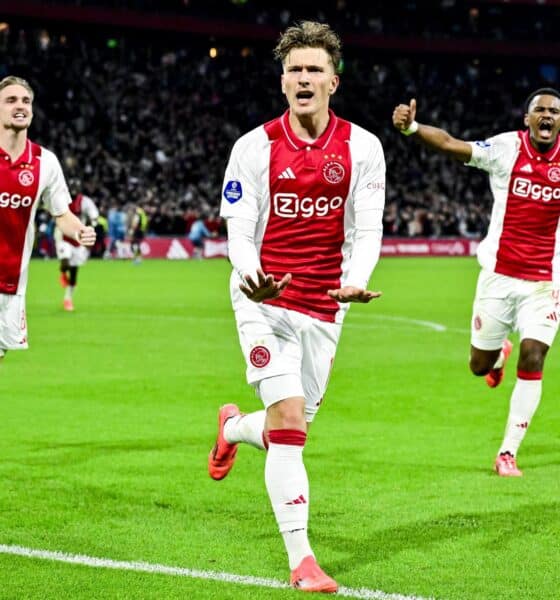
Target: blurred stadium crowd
[
  {"x": 148, "y": 119},
  {"x": 450, "y": 19}
]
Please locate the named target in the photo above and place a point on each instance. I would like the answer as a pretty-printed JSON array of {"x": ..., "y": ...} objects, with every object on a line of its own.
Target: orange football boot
[
  {"x": 309, "y": 577},
  {"x": 506, "y": 465},
  {"x": 222, "y": 456}
]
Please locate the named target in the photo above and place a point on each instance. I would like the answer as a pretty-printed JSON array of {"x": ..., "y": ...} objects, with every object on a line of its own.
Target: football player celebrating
[
  {"x": 303, "y": 196},
  {"x": 518, "y": 286},
  {"x": 29, "y": 174}
]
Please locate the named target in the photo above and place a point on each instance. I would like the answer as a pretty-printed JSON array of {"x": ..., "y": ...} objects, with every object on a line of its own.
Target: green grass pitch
[{"x": 107, "y": 420}]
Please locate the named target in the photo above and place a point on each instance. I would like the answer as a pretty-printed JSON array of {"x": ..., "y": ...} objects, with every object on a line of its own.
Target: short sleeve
[
  {"x": 494, "y": 153},
  {"x": 55, "y": 196}
]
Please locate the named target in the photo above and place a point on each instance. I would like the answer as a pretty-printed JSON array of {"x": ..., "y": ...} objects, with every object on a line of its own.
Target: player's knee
[
  {"x": 294, "y": 423},
  {"x": 479, "y": 365},
  {"x": 532, "y": 354},
  {"x": 291, "y": 420},
  {"x": 287, "y": 414},
  {"x": 531, "y": 359}
]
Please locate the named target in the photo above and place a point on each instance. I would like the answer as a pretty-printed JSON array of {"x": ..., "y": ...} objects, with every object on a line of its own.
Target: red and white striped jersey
[
  {"x": 523, "y": 238},
  {"x": 35, "y": 175},
  {"x": 306, "y": 200}
]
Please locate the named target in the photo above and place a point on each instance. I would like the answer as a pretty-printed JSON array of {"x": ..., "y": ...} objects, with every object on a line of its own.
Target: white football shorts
[
  {"x": 293, "y": 348},
  {"x": 13, "y": 323},
  {"x": 504, "y": 304},
  {"x": 76, "y": 255}
]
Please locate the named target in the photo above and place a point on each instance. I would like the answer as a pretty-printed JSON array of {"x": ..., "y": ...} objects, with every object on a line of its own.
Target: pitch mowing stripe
[{"x": 107, "y": 563}]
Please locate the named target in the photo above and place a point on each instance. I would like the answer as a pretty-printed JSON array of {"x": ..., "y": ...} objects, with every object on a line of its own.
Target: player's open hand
[
  {"x": 404, "y": 114},
  {"x": 86, "y": 236},
  {"x": 265, "y": 288},
  {"x": 349, "y": 293}
]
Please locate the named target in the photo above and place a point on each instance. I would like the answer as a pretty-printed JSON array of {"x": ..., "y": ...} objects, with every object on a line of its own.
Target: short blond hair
[
  {"x": 310, "y": 34},
  {"x": 13, "y": 80}
]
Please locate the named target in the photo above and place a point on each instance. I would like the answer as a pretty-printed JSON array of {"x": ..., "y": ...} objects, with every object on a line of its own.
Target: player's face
[
  {"x": 543, "y": 119},
  {"x": 308, "y": 80},
  {"x": 16, "y": 107}
]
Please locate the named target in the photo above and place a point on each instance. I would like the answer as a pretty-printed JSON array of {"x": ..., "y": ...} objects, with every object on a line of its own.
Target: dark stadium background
[
  {"x": 130, "y": 98},
  {"x": 107, "y": 420}
]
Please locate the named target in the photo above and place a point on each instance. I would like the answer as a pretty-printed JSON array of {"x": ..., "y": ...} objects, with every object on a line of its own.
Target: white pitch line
[
  {"x": 378, "y": 317},
  {"x": 428, "y": 324},
  {"x": 123, "y": 565}
]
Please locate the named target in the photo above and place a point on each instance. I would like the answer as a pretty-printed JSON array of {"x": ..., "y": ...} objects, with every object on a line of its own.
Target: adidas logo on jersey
[
  {"x": 553, "y": 317},
  {"x": 527, "y": 168},
  {"x": 287, "y": 174}
]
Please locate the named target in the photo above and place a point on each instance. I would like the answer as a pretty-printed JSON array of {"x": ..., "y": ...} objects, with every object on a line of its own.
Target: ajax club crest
[
  {"x": 26, "y": 178},
  {"x": 554, "y": 174},
  {"x": 259, "y": 356},
  {"x": 333, "y": 172}
]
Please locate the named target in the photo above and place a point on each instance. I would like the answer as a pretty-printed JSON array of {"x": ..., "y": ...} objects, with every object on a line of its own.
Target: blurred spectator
[{"x": 529, "y": 20}]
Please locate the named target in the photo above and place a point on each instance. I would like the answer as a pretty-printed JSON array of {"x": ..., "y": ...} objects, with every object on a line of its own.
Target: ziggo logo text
[{"x": 291, "y": 205}]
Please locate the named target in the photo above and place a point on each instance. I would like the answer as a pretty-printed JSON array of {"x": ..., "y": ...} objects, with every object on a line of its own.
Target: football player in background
[
  {"x": 137, "y": 232},
  {"x": 519, "y": 285},
  {"x": 71, "y": 254},
  {"x": 29, "y": 174},
  {"x": 303, "y": 196}
]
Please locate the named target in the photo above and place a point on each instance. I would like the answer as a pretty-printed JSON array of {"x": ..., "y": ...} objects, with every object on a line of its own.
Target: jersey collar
[
  {"x": 532, "y": 151},
  {"x": 298, "y": 144},
  {"x": 25, "y": 157}
]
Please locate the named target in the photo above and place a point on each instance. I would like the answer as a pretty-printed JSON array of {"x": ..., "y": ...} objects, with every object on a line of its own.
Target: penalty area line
[{"x": 143, "y": 567}]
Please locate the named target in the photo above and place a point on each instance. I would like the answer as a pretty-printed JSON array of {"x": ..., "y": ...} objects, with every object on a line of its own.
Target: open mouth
[
  {"x": 545, "y": 128},
  {"x": 304, "y": 95}
]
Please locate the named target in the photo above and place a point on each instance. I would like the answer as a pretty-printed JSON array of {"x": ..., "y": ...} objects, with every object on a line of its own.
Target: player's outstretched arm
[
  {"x": 265, "y": 287},
  {"x": 349, "y": 293},
  {"x": 72, "y": 227},
  {"x": 404, "y": 119}
]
